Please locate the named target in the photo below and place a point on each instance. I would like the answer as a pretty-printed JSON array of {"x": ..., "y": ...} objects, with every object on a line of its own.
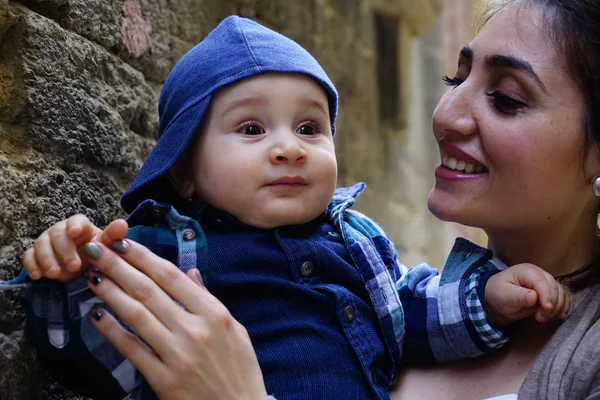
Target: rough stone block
[
  {"x": 21, "y": 376},
  {"x": 82, "y": 101}
]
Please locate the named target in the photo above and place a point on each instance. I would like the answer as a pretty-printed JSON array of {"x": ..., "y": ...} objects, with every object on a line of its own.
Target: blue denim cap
[{"x": 236, "y": 49}]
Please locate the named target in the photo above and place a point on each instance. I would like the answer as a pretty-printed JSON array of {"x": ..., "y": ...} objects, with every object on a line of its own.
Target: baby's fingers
[
  {"x": 560, "y": 307},
  {"x": 519, "y": 298},
  {"x": 31, "y": 266},
  {"x": 65, "y": 249},
  {"x": 44, "y": 256},
  {"x": 544, "y": 285},
  {"x": 564, "y": 303},
  {"x": 81, "y": 230}
]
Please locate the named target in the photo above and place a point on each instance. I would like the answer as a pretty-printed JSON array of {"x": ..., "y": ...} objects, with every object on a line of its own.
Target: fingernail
[
  {"x": 120, "y": 246},
  {"x": 93, "y": 277},
  {"x": 97, "y": 313},
  {"x": 92, "y": 250}
]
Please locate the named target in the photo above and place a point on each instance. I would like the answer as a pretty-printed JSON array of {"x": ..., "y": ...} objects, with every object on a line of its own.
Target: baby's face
[{"x": 266, "y": 154}]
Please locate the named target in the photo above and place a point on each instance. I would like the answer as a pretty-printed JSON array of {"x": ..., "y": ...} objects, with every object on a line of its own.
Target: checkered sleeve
[
  {"x": 58, "y": 321},
  {"x": 445, "y": 319},
  {"x": 474, "y": 284},
  {"x": 464, "y": 330},
  {"x": 420, "y": 321}
]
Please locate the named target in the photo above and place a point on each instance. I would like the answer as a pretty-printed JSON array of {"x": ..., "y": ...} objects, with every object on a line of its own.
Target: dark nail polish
[
  {"x": 120, "y": 246},
  {"x": 94, "y": 277},
  {"x": 92, "y": 250},
  {"x": 97, "y": 313}
]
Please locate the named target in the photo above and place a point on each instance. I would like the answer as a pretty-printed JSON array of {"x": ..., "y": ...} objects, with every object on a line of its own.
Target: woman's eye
[
  {"x": 253, "y": 130},
  {"x": 452, "y": 81},
  {"x": 306, "y": 130},
  {"x": 504, "y": 103}
]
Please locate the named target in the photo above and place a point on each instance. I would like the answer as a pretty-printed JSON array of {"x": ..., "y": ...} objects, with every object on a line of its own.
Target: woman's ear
[{"x": 181, "y": 177}]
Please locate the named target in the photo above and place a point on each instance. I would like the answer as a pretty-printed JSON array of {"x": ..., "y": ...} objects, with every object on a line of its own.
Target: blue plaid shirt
[{"x": 412, "y": 316}]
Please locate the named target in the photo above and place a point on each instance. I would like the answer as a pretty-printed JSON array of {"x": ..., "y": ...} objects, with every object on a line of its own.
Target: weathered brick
[{"x": 82, "y": 102}]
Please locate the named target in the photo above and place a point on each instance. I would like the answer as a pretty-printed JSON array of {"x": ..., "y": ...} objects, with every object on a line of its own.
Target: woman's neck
[{"x": 558, "y": 249}]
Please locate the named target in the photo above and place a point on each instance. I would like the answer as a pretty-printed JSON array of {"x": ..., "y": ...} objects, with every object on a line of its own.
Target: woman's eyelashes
[
  {"x": 452, "y": 81},
  {"x": 505, "y": 103},
  {"x": 501, "y": 101}
]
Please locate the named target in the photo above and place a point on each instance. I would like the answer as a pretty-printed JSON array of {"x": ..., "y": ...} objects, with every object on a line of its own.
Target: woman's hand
[{"x": 199, "y": 351}]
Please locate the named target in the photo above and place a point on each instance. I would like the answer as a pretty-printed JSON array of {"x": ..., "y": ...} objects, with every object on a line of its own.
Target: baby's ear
[{"x": 181, "y": 178}]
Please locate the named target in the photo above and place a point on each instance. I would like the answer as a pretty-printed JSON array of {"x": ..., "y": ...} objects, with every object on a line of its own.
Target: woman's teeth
[{"x": 460, "y": 165}]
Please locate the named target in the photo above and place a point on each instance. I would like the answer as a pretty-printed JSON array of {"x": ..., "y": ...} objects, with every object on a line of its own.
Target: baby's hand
[
  {"x": 56, "y": 252},
  {"x": 522, "y": 291}
]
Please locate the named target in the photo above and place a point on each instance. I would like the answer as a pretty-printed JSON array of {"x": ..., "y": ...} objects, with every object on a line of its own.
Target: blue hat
[{"x": 236, "y": 49}]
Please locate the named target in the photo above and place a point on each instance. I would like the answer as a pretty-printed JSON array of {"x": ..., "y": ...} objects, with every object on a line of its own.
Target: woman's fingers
[
  {"x": 116, "y": 230},
  {"x": 126, "y": 343},
  {"x": 170, "y": 279},
  {"x": 138, "y": 286},
  {"x": 195, "y": 276},
  {"x": 132, "y": 311}
]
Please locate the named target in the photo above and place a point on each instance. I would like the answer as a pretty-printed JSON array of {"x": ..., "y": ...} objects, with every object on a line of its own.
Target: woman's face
[{"x": 510, "y": 132}]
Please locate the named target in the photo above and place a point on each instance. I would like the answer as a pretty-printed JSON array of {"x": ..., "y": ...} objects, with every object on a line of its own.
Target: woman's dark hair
[{"x": 574, "y": 26}]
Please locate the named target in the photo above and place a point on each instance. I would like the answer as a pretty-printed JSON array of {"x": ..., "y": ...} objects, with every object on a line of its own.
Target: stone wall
[{"x": 79, "y": 82}]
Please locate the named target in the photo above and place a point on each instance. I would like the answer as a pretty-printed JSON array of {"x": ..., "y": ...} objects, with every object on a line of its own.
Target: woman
[
  {"x": 519, "y": 135},
  {"x": 524, "y": 104}
]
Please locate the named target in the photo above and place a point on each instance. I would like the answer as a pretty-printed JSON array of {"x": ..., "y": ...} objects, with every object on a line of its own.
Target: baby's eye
[
  {"x": 306, "y": 130},
  {"x": 253, "y": 130}
]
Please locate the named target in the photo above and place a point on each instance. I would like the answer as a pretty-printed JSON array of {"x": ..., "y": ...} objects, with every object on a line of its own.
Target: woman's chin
[{"x": 445, "y": 210}]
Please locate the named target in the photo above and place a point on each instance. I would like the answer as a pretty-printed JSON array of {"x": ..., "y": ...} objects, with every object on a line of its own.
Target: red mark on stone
[{"x": 136, "y": 29}]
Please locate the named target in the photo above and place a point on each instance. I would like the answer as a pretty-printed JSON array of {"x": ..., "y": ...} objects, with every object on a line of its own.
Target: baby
[{"x": 241, "y": 187}]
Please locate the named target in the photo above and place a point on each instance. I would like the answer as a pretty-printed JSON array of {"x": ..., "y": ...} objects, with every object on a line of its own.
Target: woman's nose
[{"x": 455, "y": 113}]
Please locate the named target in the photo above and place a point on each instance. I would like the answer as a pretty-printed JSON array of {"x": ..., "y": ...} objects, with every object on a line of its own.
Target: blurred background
[{"x": 79, "y": 83}]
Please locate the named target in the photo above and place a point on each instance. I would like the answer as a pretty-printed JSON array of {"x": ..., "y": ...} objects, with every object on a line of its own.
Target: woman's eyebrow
[
  {"x": 465, "y": 55},
  {"x": 500, "y": 61}
]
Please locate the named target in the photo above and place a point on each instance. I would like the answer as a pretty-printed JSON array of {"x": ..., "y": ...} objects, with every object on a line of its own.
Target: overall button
[
  {"x": 307, "y": 268},
  {"x": 189, "y": 234},
  {"x": 349, "y": 313}
]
